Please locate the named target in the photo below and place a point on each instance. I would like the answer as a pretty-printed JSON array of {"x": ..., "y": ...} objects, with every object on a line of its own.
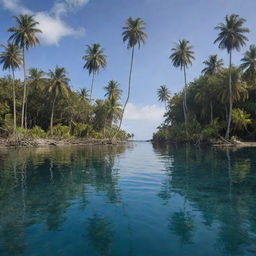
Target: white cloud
[
  {"x": 146, "y": 113},
  {"x": 51, "y": 23},
  {"x": 142, "y": 120}
]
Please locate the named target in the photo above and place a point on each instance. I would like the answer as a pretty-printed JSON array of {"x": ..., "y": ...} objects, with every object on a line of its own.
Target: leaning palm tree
[
  {"x": 213, "y": 65},
  {"x": 249, "y": 65},
  {"x": 58, "y": 85},
  {"x": 231, "y": 37},
  {"x": 181, "y": 57},
  {"x": 134, "y": 34},
  {"x": 24, "y": 35},
  {"x": 11, "y": 58},
  {"x": 163, "y": 94},
  {"x": 112, "y": 90},
  {"x": 95, "y": 59}
]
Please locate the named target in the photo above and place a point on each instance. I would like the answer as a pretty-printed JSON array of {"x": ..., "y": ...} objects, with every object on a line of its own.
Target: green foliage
[
  {"x": 37, "y": 132},
  {"x": 212, "y": 130},
  {"x": 61, "y": 131},
  {"x": 82, "y": 130}
]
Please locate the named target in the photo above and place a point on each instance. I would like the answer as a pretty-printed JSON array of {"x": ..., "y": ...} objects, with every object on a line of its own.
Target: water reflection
[
  {"x": 141, "y": 200},
  {"x": 38, "y": 186},
  {"x": 220, "y": 185}
]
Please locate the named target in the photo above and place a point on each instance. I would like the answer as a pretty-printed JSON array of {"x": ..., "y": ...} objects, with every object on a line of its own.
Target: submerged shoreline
[{"x": 47, "y": 142}]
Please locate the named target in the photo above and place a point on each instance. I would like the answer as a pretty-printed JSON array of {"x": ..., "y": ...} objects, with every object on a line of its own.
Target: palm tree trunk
[
  {"x": 230, "y": 99},
  {"x": 93, "y": 75},
  {"x": 25, "y": 89},
  {"x": 14, "y": 103},
  {"x": 185, "y": 109},
  {"x": 211, "y": 111},
  {"x": 53, "y": 104},
  {"x": 128, "y": 95}
]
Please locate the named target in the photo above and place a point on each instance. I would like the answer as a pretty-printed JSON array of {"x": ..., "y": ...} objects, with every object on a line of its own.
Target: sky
[{"x": 69, "y": 25}]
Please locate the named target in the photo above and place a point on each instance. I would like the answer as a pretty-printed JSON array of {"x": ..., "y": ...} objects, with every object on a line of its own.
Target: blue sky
[{"x": 69, "y": 25}]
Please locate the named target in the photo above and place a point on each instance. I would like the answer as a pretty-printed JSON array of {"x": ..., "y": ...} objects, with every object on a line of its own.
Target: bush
[
  {"x": 82, "y": 130},
  {"x": 61, "y": 131},
  {"x": 37, "y": 132}
]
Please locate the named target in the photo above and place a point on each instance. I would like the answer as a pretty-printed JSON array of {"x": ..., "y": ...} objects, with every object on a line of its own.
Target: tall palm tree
[
  {"x": 181, "y": 57},
  {"x": 231, "y": 37},
  {"x": 11, "y": 58},
  {"x": 213, "y": 65},
  {"x": 112, "y": 90},
  {"x": 134, "y": 34},
  {"x": 95, "y": 59},
  {"x": 24, "y": 35},
  {"x": 163, "y": 94},
  {"x": 58, "y": 85},
  {"x": 249, "y": 65}
]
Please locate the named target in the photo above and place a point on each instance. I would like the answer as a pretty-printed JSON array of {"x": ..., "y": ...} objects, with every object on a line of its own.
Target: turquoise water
[{"x": 129, "y": 200}]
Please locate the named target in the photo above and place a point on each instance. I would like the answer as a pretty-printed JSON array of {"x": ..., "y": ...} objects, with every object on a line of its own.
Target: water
[{"x": 128, "y": 200}]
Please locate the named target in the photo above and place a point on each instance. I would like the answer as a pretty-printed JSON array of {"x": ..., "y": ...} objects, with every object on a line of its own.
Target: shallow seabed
[{"x": 133, "y": 199}]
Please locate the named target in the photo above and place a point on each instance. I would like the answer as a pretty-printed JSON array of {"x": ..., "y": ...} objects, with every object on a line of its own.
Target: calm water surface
[{"x": 134, "y": 200}]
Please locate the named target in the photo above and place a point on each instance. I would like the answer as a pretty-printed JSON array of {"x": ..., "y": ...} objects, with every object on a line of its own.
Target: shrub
[
  {"x": 61, "y": 131},
  {"x": 37, "y": 132},
  {"x": 82, "y": 130}
]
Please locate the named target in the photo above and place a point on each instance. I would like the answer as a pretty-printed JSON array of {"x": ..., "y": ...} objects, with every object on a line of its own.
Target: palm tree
[
  {"x": 231, "y": 37},
  {"x": 95, "y": 59},
  {"x": 163, "y": 94},
  {"x": 11, "y": 58},
  {"x": 240, "y": 119},
  {"x": 181, "y": 57},
  {"x": 134, "y": 34},
  {"x": 112, "y": 90},
  {"x": 83, "y": 94},
  {"x": 213, "y": 65},
  {"x": 249, "y": 65},
  {"x": 112, "y": 104},
  {"x": 24, "y": 35},
  {"x": 58, "y": 85}
]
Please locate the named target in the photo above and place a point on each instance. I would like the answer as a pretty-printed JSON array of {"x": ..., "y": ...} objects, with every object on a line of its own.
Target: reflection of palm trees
[
  {"x": 181, "y": 224},
  {"x": 100, "y": 234},
  {"x": 38, "y": 185}
]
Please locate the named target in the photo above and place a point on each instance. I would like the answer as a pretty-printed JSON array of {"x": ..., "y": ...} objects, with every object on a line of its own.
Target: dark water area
[{"x": 134, "y": 200}]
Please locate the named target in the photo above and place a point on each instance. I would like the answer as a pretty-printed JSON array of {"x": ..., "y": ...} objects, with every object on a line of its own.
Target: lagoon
[{"x": 134, "y": 199}]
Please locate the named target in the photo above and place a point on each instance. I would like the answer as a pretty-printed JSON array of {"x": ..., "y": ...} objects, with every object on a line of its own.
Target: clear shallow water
[{"x": 135, "y": 200}]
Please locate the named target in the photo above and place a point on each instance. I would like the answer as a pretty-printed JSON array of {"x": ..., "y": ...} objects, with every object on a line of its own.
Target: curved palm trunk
[
  {"x": 53, "y": 104},
  {"x": 14, "y": 102},
  {"x": 24, "y": 90},
  {"x": 185, "y": 109},
  {"x": 128, "y": 96},
  {"x": 93, "y": 75},
  {"x": 230, "y": 99}
]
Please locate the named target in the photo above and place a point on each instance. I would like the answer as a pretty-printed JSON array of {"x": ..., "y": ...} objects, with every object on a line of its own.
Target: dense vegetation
[
  {"x": 221, "y": 102},
  {"x": 43, "y": 104}
]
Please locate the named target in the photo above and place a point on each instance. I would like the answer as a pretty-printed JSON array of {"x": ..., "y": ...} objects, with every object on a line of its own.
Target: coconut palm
[
  {"x": 239, "y": 87},
  {"x": 134, "y": 34},
  {"x": 213, "y": 65},
  {"x": 231, "y": 37},
  {"x": 181, "y": 57},
  {"x": 58, "y": 85},
  {"x": 249, "y": 65},
  {"x": 95, "y": 59},
  {"x": 24, "y": 35},
  {"x": 35, "y": 76},
  {"x": 11, "y": 58},
  {"x": 83, "y": 94},
  {"x": 163, "y": 94},
  {"x": 240, "y": 119},
  {"x": 112, "y": 90}
]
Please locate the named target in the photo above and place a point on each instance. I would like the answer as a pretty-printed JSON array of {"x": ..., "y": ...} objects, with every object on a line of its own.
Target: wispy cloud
[{"x": 51, "y": 22}]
